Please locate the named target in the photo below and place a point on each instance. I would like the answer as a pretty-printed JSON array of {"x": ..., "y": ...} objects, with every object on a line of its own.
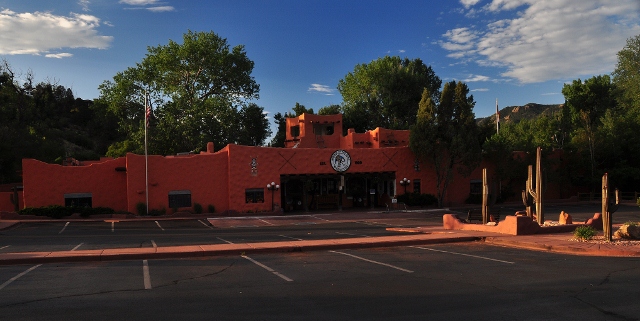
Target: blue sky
[{"x": 516, "y": 51}]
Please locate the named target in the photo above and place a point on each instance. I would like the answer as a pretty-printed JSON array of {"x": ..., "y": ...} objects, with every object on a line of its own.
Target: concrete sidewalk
[
  {"x": 557, "y": 243},
  {"x": 230, "y": 249}
]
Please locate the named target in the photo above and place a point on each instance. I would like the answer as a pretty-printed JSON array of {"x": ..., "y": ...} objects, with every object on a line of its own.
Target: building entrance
[{"x": 336, "y": 191}]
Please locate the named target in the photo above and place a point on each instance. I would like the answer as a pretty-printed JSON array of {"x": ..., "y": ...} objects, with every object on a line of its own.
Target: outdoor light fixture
[
  {"x": 404, "y": 182},
  {"x": 273, "y": 188}
]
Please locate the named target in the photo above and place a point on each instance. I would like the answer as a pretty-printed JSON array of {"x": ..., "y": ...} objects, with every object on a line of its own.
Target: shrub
[
  {"x": 155, "y": 212},
  {"x": 141, "y": 208},
  {"x": 211, "y": 208},
  {"x": 58, "y": 211},
  {"x": 197, "y": 208},
  {"x": 584, "y": 232}
]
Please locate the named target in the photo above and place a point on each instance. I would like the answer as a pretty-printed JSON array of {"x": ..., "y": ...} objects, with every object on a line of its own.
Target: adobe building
[{"x": 318, "y": 168}]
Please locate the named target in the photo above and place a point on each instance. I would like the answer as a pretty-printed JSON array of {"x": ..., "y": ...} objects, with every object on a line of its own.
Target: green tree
[
  {"x": 280, "y": 136},
  {"x": 589, "y": 101},
  {"x": 300, "y": 109},
  {"x": 446, "y": 135},
  {"x": 626, "y": 76},
  {"x": 386, "y": 92},
  {"x": 253, "y": 126},
  {"x": 330, "y": 110},
  {"x": 195, "y": 89}
]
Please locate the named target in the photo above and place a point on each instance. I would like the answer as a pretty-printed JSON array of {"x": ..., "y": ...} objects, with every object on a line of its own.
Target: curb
[
  {"x": 561, "y": 249},
  {"x": 222, "y": 249}
]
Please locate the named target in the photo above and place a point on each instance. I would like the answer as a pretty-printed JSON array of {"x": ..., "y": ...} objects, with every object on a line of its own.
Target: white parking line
[
  {"x": 259, "y": 219},
  {"x": 293, "y": 238},
  {"x": 223, "y": 240},
  {"x": 372, "y": 261},
  {"x": 146, "y": 276},
  {"x": 352, "y": 234},
  {"x": 463, "y": 254},
  {"x": 205, "y": 224},
  {"x": 4, "y": 247},
  {"x": 65, "y": 226},
  {"x": 320, "y": 218},
  {"x": 267, "y": 268},
  {"x": 154, "y": 244},
  {"x": 159, "y": 225},
  {"x": 18, "y": 276},
  {"x": 77, "y": 246}
]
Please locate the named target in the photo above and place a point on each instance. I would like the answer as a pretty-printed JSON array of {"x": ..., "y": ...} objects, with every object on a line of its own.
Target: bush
[
  {"x": 197, "y": 208},
  {"x": 58, "y": 211},
  {"x": 211, "y": 208},
  {"x": 141, "y": 208},
  {"x": 584, "y": 232}
]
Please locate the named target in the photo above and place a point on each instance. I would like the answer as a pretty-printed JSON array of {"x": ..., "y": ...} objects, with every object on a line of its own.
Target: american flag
[{"x": 147, "y": 113}]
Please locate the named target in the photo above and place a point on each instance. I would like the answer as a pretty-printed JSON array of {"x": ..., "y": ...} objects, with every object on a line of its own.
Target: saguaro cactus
[
  {"x": 607, "y": 207},
  {"x": 537, "y": 194},
  {"x": 527, "y": 200},
  {"x": 485, "y": 197}
]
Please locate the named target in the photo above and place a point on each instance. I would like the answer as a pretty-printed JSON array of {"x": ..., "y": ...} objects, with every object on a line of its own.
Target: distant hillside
[{"x": 514, "y": 114}]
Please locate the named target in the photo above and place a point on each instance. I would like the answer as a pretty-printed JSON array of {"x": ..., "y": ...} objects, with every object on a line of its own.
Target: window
[
  {"x": 179, "y": 199},
  {"x": 416, "y": 186},
  {"x": 77, "y": 200},
  {"x": 475, "y": 187},
  {"x": 254, "y": 195},
  {"x": 295, "y": 131}
]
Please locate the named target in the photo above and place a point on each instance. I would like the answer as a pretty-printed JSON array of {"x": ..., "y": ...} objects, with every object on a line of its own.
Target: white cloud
[
  {"x": 85, "y": 5},
  {"x": 161, "y": 9},
  {"x": 138, "y": 2},
  {"x": 317, "y": 88},
  {"x": 59, "y": 55},
  {"x": 480, "y": 89},
  {"x": 469, "y": 3},
  {"x": 476, "y": 78},
  {"x": 142, "y": 4},
  {"x": 548, "y": 39},
  {"x": 40, "y": 32}
]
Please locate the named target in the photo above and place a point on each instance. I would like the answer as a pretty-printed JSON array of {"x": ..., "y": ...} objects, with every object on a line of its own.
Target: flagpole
[
  {"x": 146, "y": 156},
  {"x": 497, "y": 118}
]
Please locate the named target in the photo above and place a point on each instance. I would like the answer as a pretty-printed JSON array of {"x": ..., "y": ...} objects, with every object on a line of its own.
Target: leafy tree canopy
[
  {"x": 446, "y": 134},
  {"x": 195, "y": 89},
  {"x": 627, "y": 73},
  {"x": 386, "y": 93}
]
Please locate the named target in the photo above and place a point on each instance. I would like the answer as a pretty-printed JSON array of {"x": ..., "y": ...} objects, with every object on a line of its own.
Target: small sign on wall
[{"x": 254, "y": 166}]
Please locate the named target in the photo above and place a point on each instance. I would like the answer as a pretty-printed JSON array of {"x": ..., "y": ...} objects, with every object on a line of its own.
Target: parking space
[
  {"x": 439, "y": 281},
  {"x": 88, "y": 235}
]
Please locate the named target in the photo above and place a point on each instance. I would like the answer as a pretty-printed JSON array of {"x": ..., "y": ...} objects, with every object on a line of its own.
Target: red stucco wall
[
  {"x": 205, "y": 175},
  {"x": 46, "y": 184}
]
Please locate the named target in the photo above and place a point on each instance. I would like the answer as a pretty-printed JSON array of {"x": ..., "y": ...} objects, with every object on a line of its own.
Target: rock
[
  {"x": 565, "y": 218},
  {"x": 627, "y": 231},
  {"x": 595, "y": 221}
]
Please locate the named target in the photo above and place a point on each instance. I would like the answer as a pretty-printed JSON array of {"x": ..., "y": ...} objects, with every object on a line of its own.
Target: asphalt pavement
[{"x": 415, "y": 235}]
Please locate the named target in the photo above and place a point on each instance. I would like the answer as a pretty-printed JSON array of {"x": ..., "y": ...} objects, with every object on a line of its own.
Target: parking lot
[
  {"x": 463, "y": 281},
  {"x": 436, "y": 282}
]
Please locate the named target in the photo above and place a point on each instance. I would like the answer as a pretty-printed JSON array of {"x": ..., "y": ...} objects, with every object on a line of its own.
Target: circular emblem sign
[{"x": 340, "y": 161}]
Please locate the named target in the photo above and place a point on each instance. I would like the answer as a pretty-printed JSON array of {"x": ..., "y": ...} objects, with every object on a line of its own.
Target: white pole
[{"x": 146, "y": 157}]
